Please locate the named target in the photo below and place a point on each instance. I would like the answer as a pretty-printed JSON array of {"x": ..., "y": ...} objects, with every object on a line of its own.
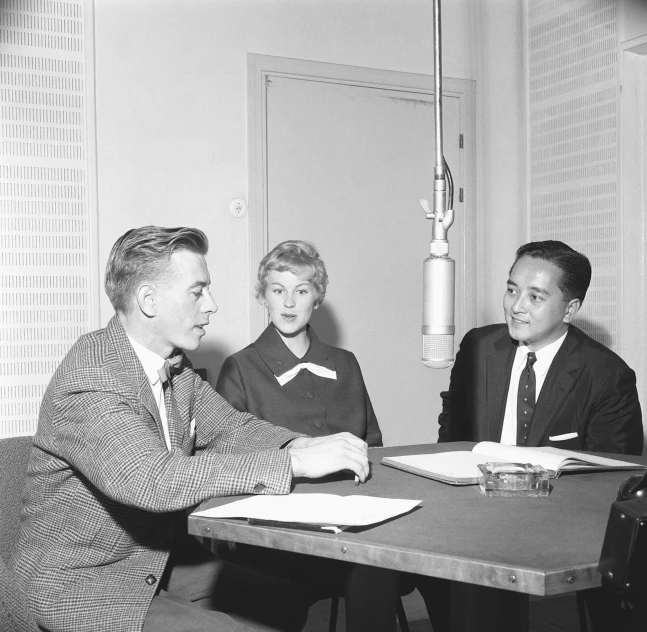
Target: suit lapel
[
  {"x": 175, "y": 424},
  {"x": 560, "y": 380},
  {"x": 148, "y": 400},
  {"x": 498, "y": 369},
  {"x": 273, "y": 351},
  {"x": 319, "y": 352},
  {"x": 132, "y": 366},
  {"x": 279, "y": 359}
]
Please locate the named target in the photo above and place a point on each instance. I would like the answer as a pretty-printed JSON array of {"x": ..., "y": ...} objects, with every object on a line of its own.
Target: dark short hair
[
  {"x": 296, "y": 256},
  {"x": 142, "y": 254},
  {"x": 575, "y": 266}
]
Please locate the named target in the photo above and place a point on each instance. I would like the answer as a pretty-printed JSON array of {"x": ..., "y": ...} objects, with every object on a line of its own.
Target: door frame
[{"x": 260, "y": 70}]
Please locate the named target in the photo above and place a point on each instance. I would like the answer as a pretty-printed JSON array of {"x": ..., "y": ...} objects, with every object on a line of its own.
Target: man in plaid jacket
[{"x": 119, "y": 455}]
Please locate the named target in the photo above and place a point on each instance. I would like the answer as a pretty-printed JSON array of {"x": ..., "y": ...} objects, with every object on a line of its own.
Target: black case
[{"x": 623, "y": 562}]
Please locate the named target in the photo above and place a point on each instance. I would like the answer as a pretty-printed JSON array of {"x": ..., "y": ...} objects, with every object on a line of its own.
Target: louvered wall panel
[
  {"x": 46, "y": 215},
  {"x": 573, "y": 96}
]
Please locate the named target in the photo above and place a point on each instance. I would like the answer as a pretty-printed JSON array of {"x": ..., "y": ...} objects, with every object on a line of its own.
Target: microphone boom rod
[
  {"x": 438, "y": 87},
  {"x": 440, "y": 180}
]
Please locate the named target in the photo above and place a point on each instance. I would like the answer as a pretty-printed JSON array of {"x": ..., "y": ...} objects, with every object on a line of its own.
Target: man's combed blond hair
[{"x": 142, "y": 254}]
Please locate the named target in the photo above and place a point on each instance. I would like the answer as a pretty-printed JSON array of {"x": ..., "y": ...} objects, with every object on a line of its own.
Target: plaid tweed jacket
[{"x": 103, "y": 492}]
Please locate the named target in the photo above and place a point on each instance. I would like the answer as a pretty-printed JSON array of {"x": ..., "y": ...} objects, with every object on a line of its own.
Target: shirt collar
[
  {"x": 545, "y": 355},
  {"x": 151, "y": 362}
]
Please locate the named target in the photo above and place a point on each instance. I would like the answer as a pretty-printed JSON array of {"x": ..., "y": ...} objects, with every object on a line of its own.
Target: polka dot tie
[{"x": 526, "y": 399}]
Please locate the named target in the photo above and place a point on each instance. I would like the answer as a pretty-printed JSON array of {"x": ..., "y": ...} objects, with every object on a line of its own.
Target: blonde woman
[
  {"x": 288, "y": 375},
  {"x": 292, "y": 379}
]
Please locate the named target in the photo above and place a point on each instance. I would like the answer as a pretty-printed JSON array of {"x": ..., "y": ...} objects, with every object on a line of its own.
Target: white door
[{"x": 346, "y": 165}]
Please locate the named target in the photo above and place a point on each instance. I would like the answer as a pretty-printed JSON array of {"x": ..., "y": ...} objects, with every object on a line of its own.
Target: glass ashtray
[{"x": 513, "y": 479}]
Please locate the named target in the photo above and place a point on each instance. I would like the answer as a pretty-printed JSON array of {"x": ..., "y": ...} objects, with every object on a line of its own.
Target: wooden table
[{"x": 530, "y": 546}]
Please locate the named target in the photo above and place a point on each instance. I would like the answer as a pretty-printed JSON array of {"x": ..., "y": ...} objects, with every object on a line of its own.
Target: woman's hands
[{"x": 313, "y": 457}]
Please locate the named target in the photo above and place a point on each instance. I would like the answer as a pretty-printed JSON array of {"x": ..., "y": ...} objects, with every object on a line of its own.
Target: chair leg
[
  {"x": 581, "y": 611},
  {"x": 334, "y": 609},
  {"x": 402, "y": 616}
]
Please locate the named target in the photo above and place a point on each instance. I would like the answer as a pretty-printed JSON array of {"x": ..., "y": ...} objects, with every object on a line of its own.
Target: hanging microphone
[
  {"x": 438, "y": 274},
  {"x": 438, "y": 269}
]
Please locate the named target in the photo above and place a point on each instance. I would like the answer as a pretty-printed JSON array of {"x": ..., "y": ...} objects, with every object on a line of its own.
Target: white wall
[
  {"x": 171, "y": 118},
  {"x": 501, "y": 153}
]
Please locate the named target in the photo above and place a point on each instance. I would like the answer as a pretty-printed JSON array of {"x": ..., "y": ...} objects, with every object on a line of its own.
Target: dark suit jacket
[
  {"x": 103, "y": 492},
  {"x": 588, "y": 389},
  {"x": 309, "y": 404}
]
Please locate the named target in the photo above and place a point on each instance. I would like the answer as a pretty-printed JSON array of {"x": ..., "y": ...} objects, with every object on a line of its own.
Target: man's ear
[
  {"x": 572, "y": 307},
  {"x": 146, "y": 300}
]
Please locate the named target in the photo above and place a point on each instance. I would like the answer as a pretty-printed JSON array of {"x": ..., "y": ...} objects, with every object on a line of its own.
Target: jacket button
[
  {"x": 310, "y": 395},
  {"x": 318, "y": 424},
  {"x": 151, "y": 579},
  {"x": 259, "y": 487},
  {"x": 279, "y": 362}
]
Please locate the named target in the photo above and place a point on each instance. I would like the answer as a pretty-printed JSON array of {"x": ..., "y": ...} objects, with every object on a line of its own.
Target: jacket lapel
[
  {"x": 498, "y": 369},
  {"x": 560, "y": 379},
  {"x": 132, "y": 366},
  {"x": 279, "y": 359},
  {"x": 176, "y": 426},
  {"x": 319, "y": 352},
  {"x": 274, "y": 352}
]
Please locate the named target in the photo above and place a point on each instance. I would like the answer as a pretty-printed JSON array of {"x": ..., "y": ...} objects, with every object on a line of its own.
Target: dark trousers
[
  {"x": 172, "y": 613},
  {"x": 255, "y": 588},
  {"x": 370, "y": 593},
  {"x": 437, "y": 596},
  {"x": 199, "y": 593}
]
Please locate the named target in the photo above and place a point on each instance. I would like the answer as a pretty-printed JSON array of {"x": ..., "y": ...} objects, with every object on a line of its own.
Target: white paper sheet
[{"x": 321, "y": 509}]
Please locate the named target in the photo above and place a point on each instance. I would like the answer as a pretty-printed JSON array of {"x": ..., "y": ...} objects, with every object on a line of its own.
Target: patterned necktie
[
  {"x": 526, "y": 399},
  {"x": 169, "y": 368}
]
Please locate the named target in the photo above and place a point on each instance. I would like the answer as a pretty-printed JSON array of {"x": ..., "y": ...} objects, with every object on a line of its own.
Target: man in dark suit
[
  {"x": 538, "y": 380},
  {"x": 585, "y": 395},
  {"x": 128, "y": 438}
]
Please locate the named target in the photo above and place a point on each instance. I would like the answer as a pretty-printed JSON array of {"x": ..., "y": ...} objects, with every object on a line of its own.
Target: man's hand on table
[{"x": 313, "y": 457}]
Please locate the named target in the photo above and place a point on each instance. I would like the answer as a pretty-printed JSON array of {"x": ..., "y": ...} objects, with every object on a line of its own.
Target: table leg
[{"x": 484, "y": 609}]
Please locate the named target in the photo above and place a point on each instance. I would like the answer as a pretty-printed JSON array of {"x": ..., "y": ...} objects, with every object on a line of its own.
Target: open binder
[{"x": 461, "y": 467}]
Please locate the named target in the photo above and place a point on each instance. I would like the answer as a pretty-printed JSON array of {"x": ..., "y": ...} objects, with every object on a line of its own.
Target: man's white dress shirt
[
  {"x": 545, "y": 357},
  {"x": 152, "y": 363}
]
